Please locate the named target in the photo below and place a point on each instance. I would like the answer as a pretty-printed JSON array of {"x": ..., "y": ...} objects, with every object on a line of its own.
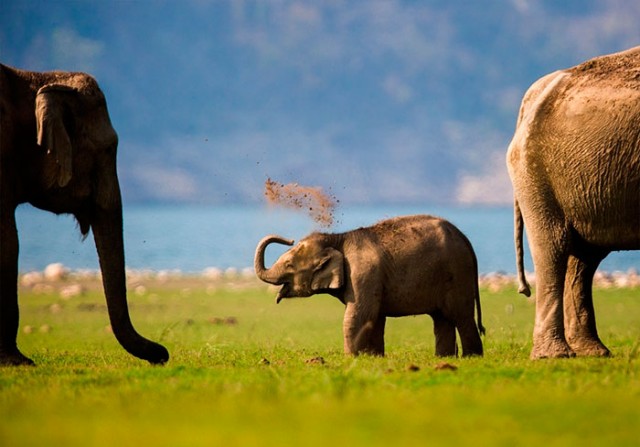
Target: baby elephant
[{"x": 407, "y": 265}]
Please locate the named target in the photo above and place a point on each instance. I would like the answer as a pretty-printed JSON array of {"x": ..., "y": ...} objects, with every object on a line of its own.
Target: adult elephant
[
  {"x": 58, "y": 152},
  {"x": 574, "y": 162}
]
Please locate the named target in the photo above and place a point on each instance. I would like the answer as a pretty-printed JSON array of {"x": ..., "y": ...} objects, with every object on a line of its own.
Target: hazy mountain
[{"x": 377, "y": 101}]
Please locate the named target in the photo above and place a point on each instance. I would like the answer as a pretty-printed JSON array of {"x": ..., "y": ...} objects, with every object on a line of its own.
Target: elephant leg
[
  {"x": 362, "y": 329},
  {"x": 579, "y": 315},
  {"x": 445, "y": 332},
  {"x": 548, "y": 332},
  {"x": 9, "y": 314},
  {"x": 469, "y": 337},
  {"x": 376, "y": 340}
]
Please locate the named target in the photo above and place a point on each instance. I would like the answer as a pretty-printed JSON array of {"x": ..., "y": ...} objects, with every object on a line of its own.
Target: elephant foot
[
  {"x": 472, "y": 353},
  {"x": 15, "y": 358},
  {"x": 373, "y": 352},
  {"x": 590, "y": 348},
  {"x": 551, "y": 350}
]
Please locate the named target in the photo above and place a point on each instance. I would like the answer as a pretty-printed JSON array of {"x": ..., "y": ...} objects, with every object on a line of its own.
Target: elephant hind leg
[
  {"x": 550, "y": 257},
  {"x": 445, "y": 332},
  {"x": 579, "y": 315},
  {"x": 470, "y": 338}
]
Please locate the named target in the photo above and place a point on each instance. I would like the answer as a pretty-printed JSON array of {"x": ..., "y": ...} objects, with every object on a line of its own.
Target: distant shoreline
[{"x": 58, "y": 275}]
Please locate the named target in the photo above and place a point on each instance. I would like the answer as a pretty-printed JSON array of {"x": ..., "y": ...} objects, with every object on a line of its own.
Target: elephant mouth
[
  {"x": 288, "y": 291},
  {"x": 284, "y": 292}
]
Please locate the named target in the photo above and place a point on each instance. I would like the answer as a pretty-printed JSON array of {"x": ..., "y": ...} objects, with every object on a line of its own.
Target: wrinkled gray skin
[
  {"x": 403, "y": 266},
  {"x": 58, "y": 152},
  {"x": 574, "y": 162}
]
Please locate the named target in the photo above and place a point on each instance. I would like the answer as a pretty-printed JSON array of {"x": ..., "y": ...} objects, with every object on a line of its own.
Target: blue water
[{"x": 192, "y": 238}]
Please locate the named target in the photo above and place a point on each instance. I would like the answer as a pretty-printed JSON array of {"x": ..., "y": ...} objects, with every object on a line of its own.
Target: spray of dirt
[{"x": 319, "y": 205}]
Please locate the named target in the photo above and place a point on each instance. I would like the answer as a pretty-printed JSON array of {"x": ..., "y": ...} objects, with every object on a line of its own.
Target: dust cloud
[{"x": 319, "y": 205}]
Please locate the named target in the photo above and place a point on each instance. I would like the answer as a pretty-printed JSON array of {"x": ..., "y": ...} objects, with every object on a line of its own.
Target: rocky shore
[{"x": 68, "y": 282}]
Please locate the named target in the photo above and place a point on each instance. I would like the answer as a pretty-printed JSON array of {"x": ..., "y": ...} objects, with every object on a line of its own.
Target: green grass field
[{"x": 247, "y": 372}]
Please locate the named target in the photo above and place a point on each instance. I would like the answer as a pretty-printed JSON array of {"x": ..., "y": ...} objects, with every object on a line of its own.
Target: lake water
[{"x": 193, "y": 238}]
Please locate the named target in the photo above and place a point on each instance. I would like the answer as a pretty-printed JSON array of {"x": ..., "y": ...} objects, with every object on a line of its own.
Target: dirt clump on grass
[
  {"x": 444, "y": 366},
  {"x": 319, "y": 205}
]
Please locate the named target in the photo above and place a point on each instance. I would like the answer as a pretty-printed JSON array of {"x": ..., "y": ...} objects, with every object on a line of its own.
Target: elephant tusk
[{"x": 282, "y": 293}]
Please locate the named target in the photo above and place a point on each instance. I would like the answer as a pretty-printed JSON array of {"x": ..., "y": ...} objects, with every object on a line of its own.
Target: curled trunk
[{"x": 268, "y": 275}]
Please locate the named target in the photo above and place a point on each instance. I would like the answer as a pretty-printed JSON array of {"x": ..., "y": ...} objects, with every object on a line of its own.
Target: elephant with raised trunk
[
  {"x": 407, "y": 265},
  {"x": 574, "y": 162},
  {"x": 58, "y": 153}
]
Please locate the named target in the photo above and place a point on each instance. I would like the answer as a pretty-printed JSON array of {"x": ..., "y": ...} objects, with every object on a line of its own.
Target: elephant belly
[
  {"x": 602, "y": 205},
  {"x": 400, "y": 304},
  {"x": 434, "y": 272},
  {"x": 614, "y": 229},
  {"x": 430, "y": 292}
]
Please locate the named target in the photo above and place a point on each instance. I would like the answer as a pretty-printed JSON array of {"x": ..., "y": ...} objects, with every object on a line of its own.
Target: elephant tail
[
  {"x": 481, "y": 328},
  {"x": 523, "y": 285}
]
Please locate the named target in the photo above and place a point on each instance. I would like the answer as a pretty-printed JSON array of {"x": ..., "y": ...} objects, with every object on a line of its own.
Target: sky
[{"x": 379, "y": 101}]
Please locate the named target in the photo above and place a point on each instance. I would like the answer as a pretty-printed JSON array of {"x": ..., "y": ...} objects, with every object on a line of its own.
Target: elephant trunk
[
  {"x": 107, "y": 231},
  {"x": 272, "y": 275}
]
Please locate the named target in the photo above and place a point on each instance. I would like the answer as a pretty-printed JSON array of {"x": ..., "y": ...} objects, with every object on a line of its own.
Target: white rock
[
  {"x": 55, "y": 308},
  {"x": 71, "y": 291},
  {"x": 55, "y": 272},
  {"x": 212, "y": 273},
  {"x": 30, "y": 279}
]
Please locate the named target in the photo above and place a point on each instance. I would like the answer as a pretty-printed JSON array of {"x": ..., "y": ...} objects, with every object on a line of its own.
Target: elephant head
[
  {"x": 73, "y": 125},
  {"x": 308, "y": 268},
  {"x": 66, "y": 164}
]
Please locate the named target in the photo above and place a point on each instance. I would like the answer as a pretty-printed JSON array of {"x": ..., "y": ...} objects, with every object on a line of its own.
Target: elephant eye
[{"x": 288, "y": 265}]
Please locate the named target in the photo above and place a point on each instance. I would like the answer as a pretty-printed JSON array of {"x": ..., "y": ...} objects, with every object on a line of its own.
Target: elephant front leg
[
  {"x": 363, "y": 332},
  {"x": 579, "y": 315},
  {"x": 9, "y": 314},
  {"x": 376, "y": 341}
]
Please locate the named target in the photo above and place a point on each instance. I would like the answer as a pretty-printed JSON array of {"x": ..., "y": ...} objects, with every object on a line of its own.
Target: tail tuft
[{"x": 524, "y": 289}]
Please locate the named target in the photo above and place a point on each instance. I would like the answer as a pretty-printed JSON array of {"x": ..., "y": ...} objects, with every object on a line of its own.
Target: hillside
[{"x": 378, "y": 101}]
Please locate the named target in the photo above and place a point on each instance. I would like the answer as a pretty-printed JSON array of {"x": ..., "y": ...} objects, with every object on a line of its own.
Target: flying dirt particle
[
  {"x": 413, "y": 368},
  {"x": 317, "y": 203}
]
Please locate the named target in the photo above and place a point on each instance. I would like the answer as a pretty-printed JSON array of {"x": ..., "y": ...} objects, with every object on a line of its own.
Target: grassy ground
[{"x": 244, "y": 371}]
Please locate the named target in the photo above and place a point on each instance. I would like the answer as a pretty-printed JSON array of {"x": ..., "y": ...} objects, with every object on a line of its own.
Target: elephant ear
[
  {"x": 329, "y": 272},
  {"x": 52, "y": 134}
]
